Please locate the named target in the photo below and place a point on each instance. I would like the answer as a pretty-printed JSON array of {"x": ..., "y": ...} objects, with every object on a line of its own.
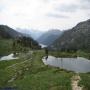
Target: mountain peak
[{"x": 76, "y": 38}]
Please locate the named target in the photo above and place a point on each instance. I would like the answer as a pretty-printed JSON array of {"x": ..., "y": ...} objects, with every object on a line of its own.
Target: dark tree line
[{"x": 25, "y": 42}]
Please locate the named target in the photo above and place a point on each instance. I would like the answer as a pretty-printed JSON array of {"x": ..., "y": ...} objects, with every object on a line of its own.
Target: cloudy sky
[{"x": 43, "y": 14}]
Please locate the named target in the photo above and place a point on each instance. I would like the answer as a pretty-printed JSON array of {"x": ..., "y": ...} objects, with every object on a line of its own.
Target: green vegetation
[
  {"x": 6, "y": 72},
  {"x": 4, "y": 64},
  {"x": 29, "y": 72},
  {"x": 18, "y": 44},
  {"x": 5, "y": 46},
  {"x": 85, "y": 81},
  {"x": 63, "y": 54},
  {"x": 70, "y": 54},
  {"x": 32, "y": 74},
  {"x": 83, "y": 54}
]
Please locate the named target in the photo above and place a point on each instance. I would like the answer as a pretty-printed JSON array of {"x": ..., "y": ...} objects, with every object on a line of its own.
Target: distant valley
[
  {"x": 35, "y": 34},
  {"x": 77, "y": 38},
  {"x": 49, "y": 37}
]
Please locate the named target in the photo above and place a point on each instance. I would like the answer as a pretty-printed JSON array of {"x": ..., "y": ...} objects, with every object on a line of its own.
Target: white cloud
[{"x": 42, "y": 14}]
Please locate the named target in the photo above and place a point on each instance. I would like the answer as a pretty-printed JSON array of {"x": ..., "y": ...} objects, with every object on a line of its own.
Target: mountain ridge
[
  {"x": 30, "y": 33},
  {"x": 7, "y": 32},
  {"x": 49, "y": 37},
  {"x": 74, "y": 39}
]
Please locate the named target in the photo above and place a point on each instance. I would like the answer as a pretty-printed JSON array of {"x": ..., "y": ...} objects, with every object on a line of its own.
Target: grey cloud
[
  {"x": 85, "y": 7},
  {"x": 88, "y": 15},
  {"x": 1, "y": 8},
  {"x": 46, "y": 1},
  {"x": 67, "y": 8},
  {"x": 57, "y": 15},
  {"x": 74, "y": 7},
  {"x": 85, "y": 4},
  {"x": 84, "y": 1}
]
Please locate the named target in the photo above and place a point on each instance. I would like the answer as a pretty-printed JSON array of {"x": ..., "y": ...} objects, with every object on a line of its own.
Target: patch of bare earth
[{"x": 74, "y": 82}]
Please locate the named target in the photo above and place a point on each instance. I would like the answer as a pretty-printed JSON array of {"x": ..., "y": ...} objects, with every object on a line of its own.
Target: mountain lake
[{"x": 78, "y": 65}]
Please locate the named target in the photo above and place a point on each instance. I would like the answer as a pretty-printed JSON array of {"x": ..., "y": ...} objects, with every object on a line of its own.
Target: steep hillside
[
  {"x": 7, "y": 32},
  {"x": 76, "y": 38},
  {"x": 11, "y": 40},
  {"x": 49, "y": 37}
]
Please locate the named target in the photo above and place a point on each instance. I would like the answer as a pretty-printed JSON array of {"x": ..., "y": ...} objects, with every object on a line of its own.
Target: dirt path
[{"x": 74, "y": 82}]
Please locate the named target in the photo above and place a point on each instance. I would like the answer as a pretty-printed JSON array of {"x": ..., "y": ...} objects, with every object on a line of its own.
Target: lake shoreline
[{"x": 78, "y": 65}]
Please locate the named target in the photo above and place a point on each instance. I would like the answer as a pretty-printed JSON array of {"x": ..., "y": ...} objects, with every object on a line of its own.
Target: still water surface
[
  {"x": 78, "y": 64},
  {"x": 8, "y": 57}
]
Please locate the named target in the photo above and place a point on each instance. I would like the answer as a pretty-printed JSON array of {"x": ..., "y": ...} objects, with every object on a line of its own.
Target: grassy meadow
[
  {"x": 32, "y": 74},
  {"x": 29, "y": 73},
  {"x": 85, "y": 81},
  {"x": 5, "y": 46}
]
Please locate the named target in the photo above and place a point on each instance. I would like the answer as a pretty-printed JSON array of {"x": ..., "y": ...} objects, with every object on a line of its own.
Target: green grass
[
  {"x": 5, "y": 46},
  {"x": 33, "y": 74},
  {"x": 83, "y": 54},
  {"x": 63, "y": 54},
  {"x": 85, "y": 81},
  {"x": 37, "y": 77},
  {"x": 45, "y": 80},
  {"x": 5, "y": 72},
  {"x": 4, "y": 64}
]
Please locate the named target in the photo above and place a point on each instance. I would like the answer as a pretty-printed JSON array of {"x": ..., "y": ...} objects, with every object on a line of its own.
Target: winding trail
[{"x": 74, "y": 82}]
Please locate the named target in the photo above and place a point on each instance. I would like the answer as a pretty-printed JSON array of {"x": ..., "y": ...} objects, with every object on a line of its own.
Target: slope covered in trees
[{"x": 11, "y": 40}]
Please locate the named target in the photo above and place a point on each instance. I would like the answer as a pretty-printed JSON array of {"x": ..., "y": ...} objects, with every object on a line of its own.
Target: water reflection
[{"x": 78, "y": 64}]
